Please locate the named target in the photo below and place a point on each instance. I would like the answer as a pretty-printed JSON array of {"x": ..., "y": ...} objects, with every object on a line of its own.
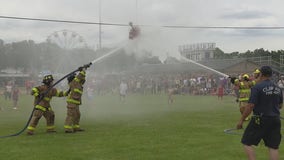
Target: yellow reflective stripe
[
  {"x": 78, "y": 91},
  {"x": 31, "y": 128},
  {"x": 76, "y": 79},
  {"x": 73, "y": 101},
  {"x": 242, "y": 85},
  {"x": 42, "y": 108},
  {"x": 244, "y": 90},
  {"x": 83, "y": 73},
  {"x": 76, "y": 126},
  {"x": 68, "y": 127},
  {"x": 65, "y": 93},
  {"x": 47, "y": 99},
  {"x": 57, "y": 93},
  {"x": 243, "y": 99},
  {"x": 35, "y": 89},
  {"x": 50, "y": 127}
]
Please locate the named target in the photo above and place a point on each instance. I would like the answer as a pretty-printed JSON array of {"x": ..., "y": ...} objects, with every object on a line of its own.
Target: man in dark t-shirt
[{"x": 265, "y": 101}]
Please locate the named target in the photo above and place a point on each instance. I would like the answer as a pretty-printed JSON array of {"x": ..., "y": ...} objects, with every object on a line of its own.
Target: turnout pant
[
  {"x": 73, "y": 117},
  {"x": 242, "y": 106},
  {"x": 48, "y": 115}
]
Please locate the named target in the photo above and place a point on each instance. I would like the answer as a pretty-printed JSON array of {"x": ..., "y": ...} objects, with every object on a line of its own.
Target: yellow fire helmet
[
  {"x": 245, "y": 76},
  {"x": 256, "y": 71}
]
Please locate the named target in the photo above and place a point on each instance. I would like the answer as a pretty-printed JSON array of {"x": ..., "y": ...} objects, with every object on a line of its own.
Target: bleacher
[{"x": 217, "y": 64}]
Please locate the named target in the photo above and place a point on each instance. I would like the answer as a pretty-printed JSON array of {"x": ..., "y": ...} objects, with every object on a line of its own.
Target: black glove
[
  {"x": 71, "y": 77},
  {"x": 87, "y": 65},
  {"x": 84, "y": 66},
  {"x": 68, "y": 91},
  {"x": 80, "y": 68},
  {"x": 237, "y": 100},
  {"x": 233, "y": 80}
]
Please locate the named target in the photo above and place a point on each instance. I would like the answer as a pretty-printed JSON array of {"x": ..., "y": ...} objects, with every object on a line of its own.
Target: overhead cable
[{"x": 165, "y": 26}]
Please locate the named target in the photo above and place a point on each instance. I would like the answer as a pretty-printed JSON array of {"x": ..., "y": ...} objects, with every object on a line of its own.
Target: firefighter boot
[
  {"x": 31, "y": 130},
  {"x": 77, "y": 128},
  {"x": 69, "y": 131},
  {"x": 50, "y": 129}
]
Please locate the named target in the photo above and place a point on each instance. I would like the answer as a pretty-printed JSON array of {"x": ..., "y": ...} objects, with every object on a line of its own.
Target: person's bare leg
[
  {"x": 170, "y": 96},
  {"x": 250, "y": 152},
  {"x": 273, "y": 154},
  {"x": 170, "y": 99}
]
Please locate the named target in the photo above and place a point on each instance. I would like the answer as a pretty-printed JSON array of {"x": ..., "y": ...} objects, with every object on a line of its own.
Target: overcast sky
[{"x": 156, "y": 13}]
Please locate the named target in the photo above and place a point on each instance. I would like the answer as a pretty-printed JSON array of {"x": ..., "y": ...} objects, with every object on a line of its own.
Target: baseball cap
[{"x": 266, "y": 71}]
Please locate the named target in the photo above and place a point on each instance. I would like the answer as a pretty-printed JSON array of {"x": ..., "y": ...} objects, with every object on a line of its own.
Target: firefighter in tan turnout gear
[
  {"x": 245, "y": 85},
  {"x": 43, "y": 95},
  {"x": 76, "y": 83},
  {"x": 256, "y": 76}
]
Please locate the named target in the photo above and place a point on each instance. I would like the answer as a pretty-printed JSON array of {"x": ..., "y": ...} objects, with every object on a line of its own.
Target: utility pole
[
  {"x": 136, "y": 11},
  {"x": 100, "y": 26}
]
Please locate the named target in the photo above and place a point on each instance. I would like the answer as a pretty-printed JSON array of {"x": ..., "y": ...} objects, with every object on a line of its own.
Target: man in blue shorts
[{"x": 265, "y": 101}]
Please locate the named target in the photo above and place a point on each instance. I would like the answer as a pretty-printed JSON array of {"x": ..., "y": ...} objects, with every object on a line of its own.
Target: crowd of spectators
[
  {"x": 186, "y": 83},
  {"x": 159, "y": 83},
  {"x": 149, "y": 83},
  {"x": 11, "y": 92}
]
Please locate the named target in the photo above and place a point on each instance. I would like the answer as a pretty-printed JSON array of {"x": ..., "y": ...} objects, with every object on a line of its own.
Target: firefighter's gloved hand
[
  {"x": 233, "y": 80},
  {"x": 237, "y": 100},
  {"x": 67, "y": 92},
  {"x": 87, "y": 65},
  {"x": 80, "y": 68}
]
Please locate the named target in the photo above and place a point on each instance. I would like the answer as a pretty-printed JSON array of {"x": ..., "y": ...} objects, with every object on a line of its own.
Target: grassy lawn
[{"x": 142, "y": 128}]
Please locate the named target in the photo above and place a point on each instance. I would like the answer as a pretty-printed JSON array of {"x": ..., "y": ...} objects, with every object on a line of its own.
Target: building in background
[{"x": 198, "y": 51}]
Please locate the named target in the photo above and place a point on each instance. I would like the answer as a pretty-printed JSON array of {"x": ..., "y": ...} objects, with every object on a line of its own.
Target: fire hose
[{"x": 67, "y": 75}]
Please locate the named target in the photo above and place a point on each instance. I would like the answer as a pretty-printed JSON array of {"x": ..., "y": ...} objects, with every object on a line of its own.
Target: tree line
[
  {"x": 31, "y": 57},
  {"x": 219, "y": 54}
]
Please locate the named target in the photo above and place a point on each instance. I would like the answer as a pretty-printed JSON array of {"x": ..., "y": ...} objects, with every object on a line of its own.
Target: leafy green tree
[{"x": 218, "y": 53}]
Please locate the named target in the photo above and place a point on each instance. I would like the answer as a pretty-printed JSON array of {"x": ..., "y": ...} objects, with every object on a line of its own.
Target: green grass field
[{"x": 142, "y": 128}]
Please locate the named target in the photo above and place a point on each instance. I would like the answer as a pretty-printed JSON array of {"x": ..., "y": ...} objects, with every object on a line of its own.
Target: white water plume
[{"x": 153, "y": 42}]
